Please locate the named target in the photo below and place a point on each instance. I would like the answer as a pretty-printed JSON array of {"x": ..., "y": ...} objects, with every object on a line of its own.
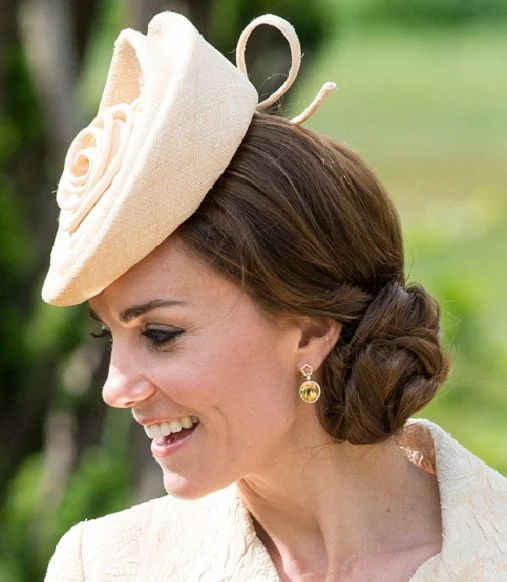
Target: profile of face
[{"x": 194, "y": 353}]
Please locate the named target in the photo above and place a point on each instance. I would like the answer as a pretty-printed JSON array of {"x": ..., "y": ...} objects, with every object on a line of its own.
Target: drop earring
[{"x": 309, "y": 391}]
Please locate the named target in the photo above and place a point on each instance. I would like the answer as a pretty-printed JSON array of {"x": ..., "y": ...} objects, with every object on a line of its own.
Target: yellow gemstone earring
[{"x": 309, "y": 391}]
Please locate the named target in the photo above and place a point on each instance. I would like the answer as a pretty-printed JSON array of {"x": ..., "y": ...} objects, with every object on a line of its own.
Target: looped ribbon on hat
[{"x": 295, "y": 49}]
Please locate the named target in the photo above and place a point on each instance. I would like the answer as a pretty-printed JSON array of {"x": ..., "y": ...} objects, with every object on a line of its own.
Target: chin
[{"x": 185, "y": 488}]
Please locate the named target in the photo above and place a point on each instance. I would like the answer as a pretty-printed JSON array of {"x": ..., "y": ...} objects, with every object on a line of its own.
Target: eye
[
  {"x": 161, "y": 336},
  {"x": 104, "y": 332}
]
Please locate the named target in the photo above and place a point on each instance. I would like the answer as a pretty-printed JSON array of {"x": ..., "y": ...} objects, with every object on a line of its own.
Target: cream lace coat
[{"x": 213, "y": 540}]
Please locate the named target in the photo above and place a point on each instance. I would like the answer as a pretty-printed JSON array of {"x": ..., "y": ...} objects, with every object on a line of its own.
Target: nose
[{"x": 125, "y": 386}]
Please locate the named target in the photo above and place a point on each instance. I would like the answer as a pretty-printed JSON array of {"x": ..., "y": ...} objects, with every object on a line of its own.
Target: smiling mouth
[
  {"x": 174, "y": 436},
  {"x": 169, "y": 432}
]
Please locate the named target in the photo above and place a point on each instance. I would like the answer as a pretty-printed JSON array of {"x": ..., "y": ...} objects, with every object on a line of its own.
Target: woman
[{"x": 249, "y": 275}]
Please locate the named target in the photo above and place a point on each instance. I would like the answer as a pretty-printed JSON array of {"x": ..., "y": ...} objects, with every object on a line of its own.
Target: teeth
[
  {"x": 157, "y": 431},
  {"x": 175, "y": 426},
  {"x": 186, "y": 422}
]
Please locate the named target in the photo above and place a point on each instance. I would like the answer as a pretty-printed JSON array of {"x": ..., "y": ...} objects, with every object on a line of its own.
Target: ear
[{"x": 317, "y": 338}]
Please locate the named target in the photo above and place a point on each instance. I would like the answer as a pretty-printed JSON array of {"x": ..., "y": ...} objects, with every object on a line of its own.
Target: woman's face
[{"x": 194, "y": 355}]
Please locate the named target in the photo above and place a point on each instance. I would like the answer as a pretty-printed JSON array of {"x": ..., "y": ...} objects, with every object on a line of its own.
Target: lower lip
[{"x": 160, "y": 448}]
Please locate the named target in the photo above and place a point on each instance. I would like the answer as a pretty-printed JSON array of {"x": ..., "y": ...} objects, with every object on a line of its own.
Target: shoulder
[
  {"x": 86, "y": 545},
  {"x": 474, "y": 508},
  {"x": 467, "y": 485},
  {"x": 165, "y": 538}
]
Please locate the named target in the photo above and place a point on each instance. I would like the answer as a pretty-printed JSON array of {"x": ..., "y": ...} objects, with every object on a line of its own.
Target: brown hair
[{"x": 306, "y": 228}]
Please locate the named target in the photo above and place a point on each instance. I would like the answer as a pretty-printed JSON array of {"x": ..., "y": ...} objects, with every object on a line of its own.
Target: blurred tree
[{"x": 22, "y": 145}]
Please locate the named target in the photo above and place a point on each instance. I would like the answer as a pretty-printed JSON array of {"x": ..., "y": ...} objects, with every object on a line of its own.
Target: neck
[{"x": 322, "y": 505}]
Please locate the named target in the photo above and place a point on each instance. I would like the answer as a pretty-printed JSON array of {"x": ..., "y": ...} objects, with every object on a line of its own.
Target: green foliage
[
  {"x": 445, "y": 12},
  {"x": 15, "y": 260},
  {"x": 20, "y": 104},
  {"x": 17, "y": 518},
  {"x": 20, "y": 125},
  {"x": 472, "y": 405},
  {"x": 100, "y": 484},
  {"x": 110, "y": 20},
  {"x": 425, "y": 13}
]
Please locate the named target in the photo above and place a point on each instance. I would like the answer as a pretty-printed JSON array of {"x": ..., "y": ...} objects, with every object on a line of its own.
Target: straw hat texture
[{"x": 172, "y": 115}]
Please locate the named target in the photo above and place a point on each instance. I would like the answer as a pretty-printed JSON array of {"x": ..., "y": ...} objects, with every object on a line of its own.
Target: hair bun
[{"x": 391, "y": 366}]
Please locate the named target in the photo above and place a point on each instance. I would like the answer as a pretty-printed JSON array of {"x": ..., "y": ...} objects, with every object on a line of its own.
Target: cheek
[
  {"x": 250, "y": 383},
  {"x": 241, "y": 373}
]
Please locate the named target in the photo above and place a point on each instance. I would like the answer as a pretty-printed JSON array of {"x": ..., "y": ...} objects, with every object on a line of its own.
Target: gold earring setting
[{"x": 309, "y": 391}]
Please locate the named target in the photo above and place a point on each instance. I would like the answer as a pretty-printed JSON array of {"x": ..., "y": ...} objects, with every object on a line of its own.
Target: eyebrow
[{"x": 137, "y": 310}]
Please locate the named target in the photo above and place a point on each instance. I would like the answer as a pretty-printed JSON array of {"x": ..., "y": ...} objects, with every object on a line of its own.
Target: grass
[{"x": 427, "y": 110}]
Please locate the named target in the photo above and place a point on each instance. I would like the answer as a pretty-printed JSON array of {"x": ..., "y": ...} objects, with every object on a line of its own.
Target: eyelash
[
  {"x": 160, "y": 338},
  {"x": 157, "y": 337},
  {"x": 104, "y": 332}
]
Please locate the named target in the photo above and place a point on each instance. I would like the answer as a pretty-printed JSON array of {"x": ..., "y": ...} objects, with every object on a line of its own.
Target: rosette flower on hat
[
  {"x": 92, "y": 162},
  {"x": 172, "y": 115}
]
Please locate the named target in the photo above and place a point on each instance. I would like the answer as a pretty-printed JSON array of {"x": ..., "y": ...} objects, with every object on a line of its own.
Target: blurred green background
[{"x": 421, "y": 94}]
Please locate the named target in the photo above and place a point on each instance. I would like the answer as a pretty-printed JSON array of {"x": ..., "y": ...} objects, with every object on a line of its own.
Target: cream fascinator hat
[{"x": 172, "y": 115}]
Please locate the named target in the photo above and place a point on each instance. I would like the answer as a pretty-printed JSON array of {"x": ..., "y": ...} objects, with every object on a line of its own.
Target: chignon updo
[{"x": 305, "y": 227}]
